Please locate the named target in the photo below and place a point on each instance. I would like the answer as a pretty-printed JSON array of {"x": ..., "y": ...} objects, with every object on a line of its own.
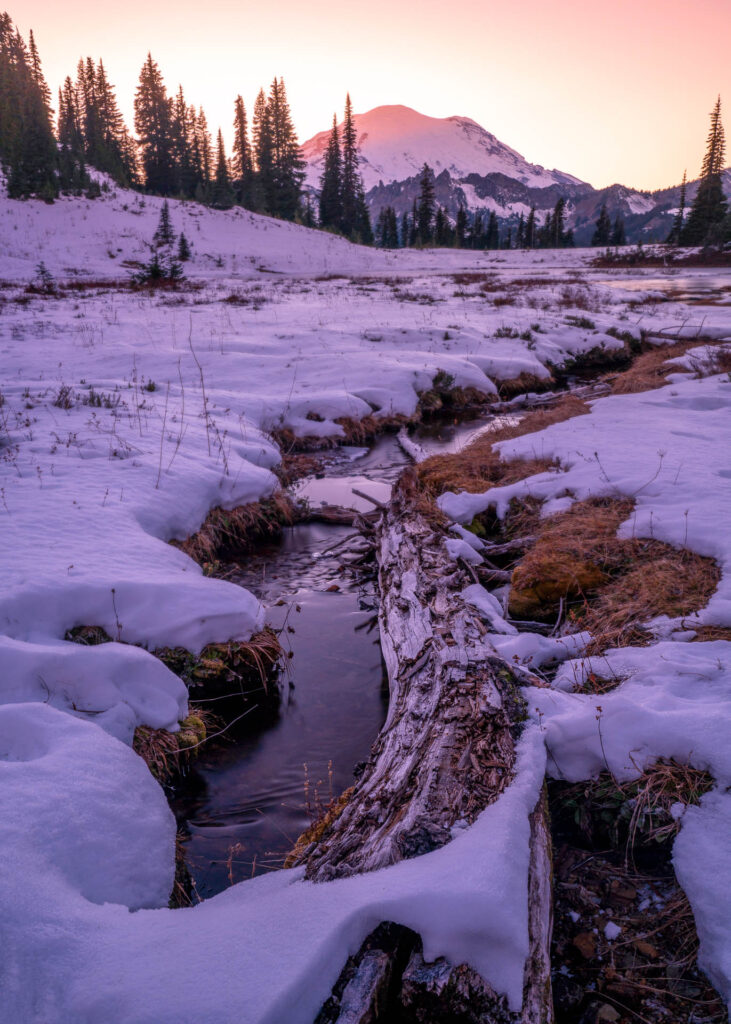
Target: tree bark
[{"x": 446, "y": 751}]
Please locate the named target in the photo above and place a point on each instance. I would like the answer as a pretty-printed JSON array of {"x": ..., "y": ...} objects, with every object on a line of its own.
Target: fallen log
[{"x": 446, "y": 751}]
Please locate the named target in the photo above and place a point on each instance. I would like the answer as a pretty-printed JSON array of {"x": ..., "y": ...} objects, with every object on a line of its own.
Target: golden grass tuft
[
  {"x": 618, "y": 583},
  {"x": 574, "y": 553},
  {"x": 167, "y": 754},
  {"x": 225, "y": 530},
  {"x": 234, "y": 667},
  {"x": 478, "y": 467}
]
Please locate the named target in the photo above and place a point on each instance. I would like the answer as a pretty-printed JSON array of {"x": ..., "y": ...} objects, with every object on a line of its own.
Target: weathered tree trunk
[{"x": 446, "y": 751}]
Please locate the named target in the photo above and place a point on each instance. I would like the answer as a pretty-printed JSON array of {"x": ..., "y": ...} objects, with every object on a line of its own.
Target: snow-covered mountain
[
  {"x": 474, "y": 169},
  {"x": 395, "y": 142}
]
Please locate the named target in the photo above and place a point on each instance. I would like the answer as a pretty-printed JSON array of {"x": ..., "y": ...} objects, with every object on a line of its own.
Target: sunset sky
[{"x": 608, "y": 91}]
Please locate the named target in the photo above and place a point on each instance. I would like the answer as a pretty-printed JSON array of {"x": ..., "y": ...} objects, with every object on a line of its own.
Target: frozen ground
[{"x": 125, "y": 417}]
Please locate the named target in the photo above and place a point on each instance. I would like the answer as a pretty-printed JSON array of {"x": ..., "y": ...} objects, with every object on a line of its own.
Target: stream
[{"x": 246, "y": 800}]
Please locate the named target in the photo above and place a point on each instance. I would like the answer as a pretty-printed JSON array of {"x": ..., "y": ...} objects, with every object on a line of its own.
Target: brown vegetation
[
  {"x": 615, "y": 584},
  {"x": 228, "y": 529},
  {"x": 479, "y": 467}
]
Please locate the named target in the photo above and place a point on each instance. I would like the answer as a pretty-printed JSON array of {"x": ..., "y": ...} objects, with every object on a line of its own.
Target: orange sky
[{"x": 608, "y": 91}]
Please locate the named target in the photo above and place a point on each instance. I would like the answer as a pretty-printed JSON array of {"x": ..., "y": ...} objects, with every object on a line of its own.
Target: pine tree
[
  {"x": 492, "y": 236},
  {"x": 425, "y": 205},
  {"x": 153, "y": 124},
  {"x": 288, "y": 166},
  {"x": 264, "y": 154},
  {"x": 619, "y": 235},
  {"x": 349, "y": 171},
  {"x": 530, "y": 229},
  {"x": 28, "y": 149},
  {"x": 405, "y": 231},
  {"x": 441, "y": 226},
  {"x": 520, "y": 234},
  {"x": 460, "y": 227},
  {"x": 331, "y": 190},
  {"x": 391, "y": 233},
  {"x": 678, "y": 224},
  {"x": 184, "y": 252},
  {"x": 603, "y": 229},
  {"x": 164, "y": 234},
  {"x": 204, "y": 153},
  {"x": 558, "y": 225},
  {"x": 243, "y": 171},
  {"x": 706, "y": 216},
  {"x": 37, "y": 71},
  {"x": 477, "y": 235},
  {"x": 222, "y": 196}
]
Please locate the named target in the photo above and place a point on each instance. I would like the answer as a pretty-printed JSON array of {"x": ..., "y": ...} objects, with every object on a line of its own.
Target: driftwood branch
[{"x": 446, "y": 751}]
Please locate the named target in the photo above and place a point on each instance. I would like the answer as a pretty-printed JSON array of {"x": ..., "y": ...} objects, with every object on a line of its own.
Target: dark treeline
[
  {"x": 173, "y": 153},
  {"x": 428, "y": 224}
]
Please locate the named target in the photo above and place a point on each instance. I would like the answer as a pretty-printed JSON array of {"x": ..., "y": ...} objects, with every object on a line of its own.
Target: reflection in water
[
  {"x": 250, "y": 794},
  {"x": 244, "y": 804}
]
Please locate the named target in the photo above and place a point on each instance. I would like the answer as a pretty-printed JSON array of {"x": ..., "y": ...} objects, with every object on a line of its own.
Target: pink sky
[{"x": 608, "y": 91}]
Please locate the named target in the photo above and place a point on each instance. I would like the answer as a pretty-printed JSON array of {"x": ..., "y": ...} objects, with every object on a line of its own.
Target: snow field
[
  {"x": 100, "y": 469},
  {"x": 666, "y": 449}
]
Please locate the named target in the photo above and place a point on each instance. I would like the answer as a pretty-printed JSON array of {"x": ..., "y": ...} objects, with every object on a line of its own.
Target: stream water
[{"x": 247, "y": 800}]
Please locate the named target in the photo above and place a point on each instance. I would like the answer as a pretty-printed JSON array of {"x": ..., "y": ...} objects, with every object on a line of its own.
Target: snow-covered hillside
[{"x": 395, "y": 142}]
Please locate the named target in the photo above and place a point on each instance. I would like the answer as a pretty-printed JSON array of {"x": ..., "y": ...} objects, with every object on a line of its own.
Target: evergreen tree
[
  {"x": 184, "y": 252},
  {"x": 520, "y": 234},
  {"x": 243, "y": 171},
  {"x": 441, "y": 228},
  {"x": 678, "y": 224},
  {"x": 619, "y": 236},
  {"x": 425, "y": 205},
  {"x": 391, "y": 234},
  {"x": 477, "y": 235},
  {"x": 204, "y": 157},
  {"x": 27, "y": 146},
  {"x": 558, "y": 225},
  {"x": 288, "y": 166},
  {"x": 603, "y": 230},
  {"x": 460, "y": 227},
  {"x": 264, "y": 154},
  {"x": 710, "y": 204},
  {"x": 349, "y": 171},
  {"x": 164, "y": 234},
  {"x": 492, "y": 236},
  {"x": 185, "y": 154},
  {"x": 544, "y": 234},
  {"x": 153, "y": 124},
  {"x": 405, "y": 231},
  {"x": 222, "y": 196},
  {"x": 530, "y": 229},
  {"x": 331, "y": 192}
]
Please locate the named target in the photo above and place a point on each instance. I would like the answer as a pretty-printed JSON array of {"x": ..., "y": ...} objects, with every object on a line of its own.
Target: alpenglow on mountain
[
  {"x": 474, "y": 169},
  {"x": 395, "y": 142}
]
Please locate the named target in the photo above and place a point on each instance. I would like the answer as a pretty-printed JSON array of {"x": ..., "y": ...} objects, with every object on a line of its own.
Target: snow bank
[{"x": 267, "y": 950}]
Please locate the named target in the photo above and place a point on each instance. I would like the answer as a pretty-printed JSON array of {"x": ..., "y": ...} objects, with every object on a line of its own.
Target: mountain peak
[{"x": 396, "y": 141}]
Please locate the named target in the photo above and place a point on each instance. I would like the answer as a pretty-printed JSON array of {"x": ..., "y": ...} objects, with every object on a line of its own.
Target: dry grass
[
  {"x": 650, "y": 370},
  {"x": 167, "y": 754},
  {"x": 657, "y": 580},
  {"x": 478, "y": 466},
  {"x": 237, "y": 667},
  {"x": 704, "y": 634},
  {"x": 225, "y": 530},
  {"x": 523, "y": 383},
  {"x": 618, "y": 583}
]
